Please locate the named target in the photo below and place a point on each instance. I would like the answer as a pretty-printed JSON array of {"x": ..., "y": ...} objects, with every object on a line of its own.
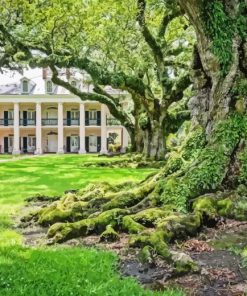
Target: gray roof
[{"x": 10, "y": 83}]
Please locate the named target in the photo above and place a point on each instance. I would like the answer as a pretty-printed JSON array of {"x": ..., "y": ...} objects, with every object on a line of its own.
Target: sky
[{"x": 14, "y": 76}]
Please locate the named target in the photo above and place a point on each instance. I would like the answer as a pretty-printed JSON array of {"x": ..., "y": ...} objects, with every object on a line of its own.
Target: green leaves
[{"x": 221, "y": 27}]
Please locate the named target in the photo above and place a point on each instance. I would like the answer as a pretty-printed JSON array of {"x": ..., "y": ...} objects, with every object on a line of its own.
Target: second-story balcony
[
  {"x": 71, "y": 122},
  {"x": 93, "y": 122},
  {"x": 6, "y": 122},
  {"x": 27, "y": 122},
  {"x": 49, "y": 122}
]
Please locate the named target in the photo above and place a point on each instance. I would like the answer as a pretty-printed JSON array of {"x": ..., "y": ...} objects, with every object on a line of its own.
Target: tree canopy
[{"x": 143, "y": 48}]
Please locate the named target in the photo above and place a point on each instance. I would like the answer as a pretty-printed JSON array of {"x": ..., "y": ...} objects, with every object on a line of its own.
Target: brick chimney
[
  {"x": 68, "y": 74},
  {"x": 45, "y": 73}
]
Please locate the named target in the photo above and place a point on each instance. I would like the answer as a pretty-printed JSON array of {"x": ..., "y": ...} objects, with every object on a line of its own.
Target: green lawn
[
  {"x": 57, "y": 271},
  {"x": 6, "y": 156}
]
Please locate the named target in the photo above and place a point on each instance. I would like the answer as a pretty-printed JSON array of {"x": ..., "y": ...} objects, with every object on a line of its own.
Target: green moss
[
  {"x": 129, "y": 198},
  {"x": 149, "y": 216},
  {"x": 146, "y": 255},
  {"x": 206, "y": 205},
  {"x": 109, "y": 235},
  {"x": 156, "y": 240},
  {"x": 240, "y": 209},
  {"x": 61, "y": 211},
  {"x": 122, "y": 200},
  {"x": 131, "y": 226},
  {"x": 178, "y": 226},
  {"x": 185, "y": 267},
  {"x": 174, "y": 163},
  {"x": 208, "y": 171},
  {"x": 225, "y": 207},
  {"x": 243, "y": 167},
  {"x": 194, "y": 142},
  {"x": 60, "y": 232}
]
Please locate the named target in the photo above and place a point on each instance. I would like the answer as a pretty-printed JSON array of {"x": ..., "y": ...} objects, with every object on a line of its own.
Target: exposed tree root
[{"x": 163, "y": 208}]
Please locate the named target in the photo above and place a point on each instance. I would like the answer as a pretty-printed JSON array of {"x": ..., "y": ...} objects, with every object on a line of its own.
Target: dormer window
[
  {"x": 25, "y": 89},
  {"x": 49, "y": 87},
  {"x": 73, "y": 83}
]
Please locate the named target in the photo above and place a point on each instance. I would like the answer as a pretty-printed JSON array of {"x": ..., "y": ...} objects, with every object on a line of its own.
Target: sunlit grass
[
  {"x": 52, "y": 175},
  {"x": 58, "y": 271}
]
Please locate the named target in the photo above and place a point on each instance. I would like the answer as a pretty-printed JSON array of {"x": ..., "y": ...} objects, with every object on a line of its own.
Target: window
[
  {"x": 49, "y": 87},
  {"x": 31, "y": 141},
  {"x": 73, "y": 83},
  {"x": 11, "y": 140},
  {"x": 31, "y": 114},
  {"x": 11, "y": 114},
  {"x": 25, "y": 86},
  {"x": 74, "y": 114},
  {"x": 93, "y": 114}
]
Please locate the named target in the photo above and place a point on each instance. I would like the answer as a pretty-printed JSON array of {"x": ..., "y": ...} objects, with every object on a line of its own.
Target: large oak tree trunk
[
  {"x": 213, "y": 80},
  {"x": 154, "y": 141}
]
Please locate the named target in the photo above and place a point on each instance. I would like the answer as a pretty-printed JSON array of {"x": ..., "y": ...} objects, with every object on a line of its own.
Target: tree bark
[
  {"x": 214, "y": 98},
  {"x": 154, "y": 141}
]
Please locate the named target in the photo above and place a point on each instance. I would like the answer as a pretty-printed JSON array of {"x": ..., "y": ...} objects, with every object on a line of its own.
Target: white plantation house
[{"x": 38, "y": 117}]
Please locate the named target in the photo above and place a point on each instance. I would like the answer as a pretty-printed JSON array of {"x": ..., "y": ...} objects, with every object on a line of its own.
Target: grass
[
  {"x": 6, "y": 156},
  {"x": 52, "y": 175},
  {"x": 57, "y": 271}
]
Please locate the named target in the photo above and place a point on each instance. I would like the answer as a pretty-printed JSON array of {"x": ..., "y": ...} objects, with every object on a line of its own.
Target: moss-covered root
[
  {"x": 109, "y": 235},
  {"x": 60, "y": 232},
  {"x": 232, "y": 204},
  {"x": 130, "y": 197},
  {"x": 174, "y": 226},
  {"x": 156, "y": 240},
  {"x": 68, "y": 209},
  {"x": 138, "y": 222}
]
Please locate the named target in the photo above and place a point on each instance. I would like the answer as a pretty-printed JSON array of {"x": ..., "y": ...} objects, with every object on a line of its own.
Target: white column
[
  {"x": 125, "y": 138},
  {"x": 103, "y": 130},
  {"x": 82, "y": 129},
  {"x": 60, "y": 149},
  {"x": 16, "y": 148},
  {"x": 38, "y": 129}
]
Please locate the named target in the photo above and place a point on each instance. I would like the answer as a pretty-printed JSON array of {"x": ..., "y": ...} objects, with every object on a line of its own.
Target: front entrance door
[
  {"x": 52, "y": 143},
  {"x": 74, "y": 143},
  {"x": 92, "y": 144}
]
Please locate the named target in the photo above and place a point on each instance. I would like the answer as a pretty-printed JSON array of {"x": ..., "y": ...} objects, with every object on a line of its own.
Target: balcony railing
[
  {"x": 54, "y": 122},
  {"x": 6, "y": 122},
  {"x": 27, "y": 122},
  {"x": 93, "y": 122},
  {"x": 50, "y": 121},
  {"x": 112, "y": 121},
  {"x": 69, "y": 122}
]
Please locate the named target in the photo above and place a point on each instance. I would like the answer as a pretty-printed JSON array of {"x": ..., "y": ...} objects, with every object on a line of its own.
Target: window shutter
[
  {"x": 68, "y": 144},
  {"x": 6, "y": 117},
  {"x": 68, "y": 118},
  {"x": 86, "y": 118},
  {"x": 98, "y": 144},
  {"x": 6, "y": 145},
  {"x": 25, "y": 144},
  {"x": 87, "y": 144},
  {"x": 98, "y": 118},
  {"x": 24, "y": 114}
]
